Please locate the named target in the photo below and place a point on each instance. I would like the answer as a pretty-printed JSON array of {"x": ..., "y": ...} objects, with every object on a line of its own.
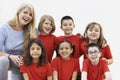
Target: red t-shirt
[
  {"x": 49, "y": 43},
  {"x": 106, "y": 52},
  {"x": 76, "y": 40},
  {"x": 37, "y": 73},
  {"x": 65, "y": 68},
  {"x": 95, "y": 72}
]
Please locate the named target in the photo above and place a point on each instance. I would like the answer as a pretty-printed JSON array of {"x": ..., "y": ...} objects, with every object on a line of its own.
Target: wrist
[
  {"x": 8, "y": 56},
  {"x": 107, "y": 61}
]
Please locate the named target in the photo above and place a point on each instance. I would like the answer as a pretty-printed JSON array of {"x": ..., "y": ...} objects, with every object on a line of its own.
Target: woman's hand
[{"x": 16, "y": 59}]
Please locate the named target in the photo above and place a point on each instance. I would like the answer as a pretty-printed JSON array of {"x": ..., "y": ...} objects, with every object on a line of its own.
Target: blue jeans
[{"x": 5, "y": 65}]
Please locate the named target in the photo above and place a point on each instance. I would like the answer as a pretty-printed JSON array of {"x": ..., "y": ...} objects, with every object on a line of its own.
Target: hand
[
  {"x": 105, "y": 59},
  {"x": 16, "y": 59}
]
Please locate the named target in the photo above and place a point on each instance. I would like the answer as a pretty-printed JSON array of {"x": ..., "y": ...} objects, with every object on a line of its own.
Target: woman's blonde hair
[
  {"x": 29, "y": 29},
  {"x": 43, "y": 18}
]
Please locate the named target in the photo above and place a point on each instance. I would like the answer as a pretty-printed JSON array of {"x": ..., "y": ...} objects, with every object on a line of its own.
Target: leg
[
  {"x": 15, "y": 72},
  {"x": 4, "y": 66}
]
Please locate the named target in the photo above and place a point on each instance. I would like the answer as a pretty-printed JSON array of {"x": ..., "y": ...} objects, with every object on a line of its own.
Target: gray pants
[{"x": 5, "y": 65}]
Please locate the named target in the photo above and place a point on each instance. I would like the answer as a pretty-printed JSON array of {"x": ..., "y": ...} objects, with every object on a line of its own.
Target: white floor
[{"x": 9, "y": 78}]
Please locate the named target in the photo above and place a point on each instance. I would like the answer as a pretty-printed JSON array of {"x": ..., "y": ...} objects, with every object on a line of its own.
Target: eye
[
  {"x": 30, "y": 14},
  {"x": 90, "y": 30},
  {"x": 64, "y": 24},
  {"x": 32, "y": 48},
  {"x": 97, "y": 31},
  {"x": 38, "y": 48}
]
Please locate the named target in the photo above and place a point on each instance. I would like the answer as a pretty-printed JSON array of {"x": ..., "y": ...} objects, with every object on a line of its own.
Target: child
[
  {"x": 94, "y": 68},
  {"x": 94, "y": 34},
  {"x": 35, "y": 66},
  {"x": 67, "y": 25},
  {"x": 47, "y": 27},
  {"x": 64, "y": 66}
]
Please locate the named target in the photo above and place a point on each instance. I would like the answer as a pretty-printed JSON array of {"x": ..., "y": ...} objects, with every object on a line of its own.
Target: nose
[{"x": 93, "y": 31}]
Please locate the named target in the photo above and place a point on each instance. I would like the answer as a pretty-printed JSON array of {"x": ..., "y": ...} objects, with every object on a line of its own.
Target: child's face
[
  {"x": 65, "y": 50},
  {"x": 35, "y": 52},
  {"x": 94, "y": 54},
  {"x": 67, "y": 26},
  {"x": 25, "y": 16},
  {"x": 93, "y": 33},
  {"x": 47, "y": 26}
]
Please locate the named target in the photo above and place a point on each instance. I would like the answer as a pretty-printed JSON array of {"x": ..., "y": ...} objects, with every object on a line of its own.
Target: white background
[{"x": 105, "y": 12}]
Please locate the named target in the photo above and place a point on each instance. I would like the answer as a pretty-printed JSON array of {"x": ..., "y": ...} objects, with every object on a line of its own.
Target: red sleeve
[
  {"x": 77, "y": 66},
  {"x": 108, "y": 53},
  {"x": 85, "y": 65},
  {"x": 49, "y": 68},
  {"x": 54, "y": 64},
  {"x": 105, "y": 66},
  {"x": 23, "y": 68}
]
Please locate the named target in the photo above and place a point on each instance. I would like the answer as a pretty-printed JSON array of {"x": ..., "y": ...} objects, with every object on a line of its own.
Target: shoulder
[
  {"x": 103, "y": 61},
  {"x": 52, "y": 35},
  {"x": 48, "y": 64},
  {"x": 87, "y": 61},
  {"x": 4, "y": 26},
  {"x": 56, "y": 59},
  {"x": 105, "y": 46},
  {"x": 73, "y": 60}
]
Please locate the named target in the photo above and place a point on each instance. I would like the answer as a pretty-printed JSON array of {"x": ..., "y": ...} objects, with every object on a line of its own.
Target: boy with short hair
[
  {"x": 67, "y": 26},
  {"x": 94, "y": 68}
]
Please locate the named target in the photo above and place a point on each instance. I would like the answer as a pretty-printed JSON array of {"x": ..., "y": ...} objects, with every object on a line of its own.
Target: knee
[{"x": 4, "y": 61}]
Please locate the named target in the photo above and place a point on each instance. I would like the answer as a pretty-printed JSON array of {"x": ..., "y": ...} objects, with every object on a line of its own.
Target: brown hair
[
  {"x": 43, "y": 18},
  {"x": 101, "y": 41}
]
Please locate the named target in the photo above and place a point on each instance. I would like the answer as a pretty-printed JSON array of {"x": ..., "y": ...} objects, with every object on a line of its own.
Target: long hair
[
  {"x": 42, "y": 20},
  {"x": 101, "y": 41},
  {"x": 42, "y": 59},
  {"x": 29, "y": 29}
]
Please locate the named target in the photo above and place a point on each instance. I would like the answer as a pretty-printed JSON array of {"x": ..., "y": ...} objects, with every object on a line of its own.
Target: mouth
[{"x": 26, "y": 20}]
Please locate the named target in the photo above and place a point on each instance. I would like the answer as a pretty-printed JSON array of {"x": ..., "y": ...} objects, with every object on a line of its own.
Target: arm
[
  {"x": 49, "y": 78},
  {"x": 84, "y": 75},
  {"x": 108, "y": 76},
  {"x": 25, "y": 75},
  {"x": 55, "y": 75},
  {"x": 4, "y": 54},
  {"x": 16, "y": 59},
  {"x": 108, "y": 55},
  {"x": 74, "y": 75},
  {"x": 109, "y": 61}
]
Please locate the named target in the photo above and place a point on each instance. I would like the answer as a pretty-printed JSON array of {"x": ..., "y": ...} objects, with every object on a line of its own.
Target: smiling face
[
  {"x": 94, "y": 55},
  {"x": 25, "y": 16},
  {"x": 35, "y": 52},
  {"x": 93, "y": 33},
  {"x": 67, "y": 26},
  {"x": 47, "y": 26},
  {"x": 65, "y": 50}
]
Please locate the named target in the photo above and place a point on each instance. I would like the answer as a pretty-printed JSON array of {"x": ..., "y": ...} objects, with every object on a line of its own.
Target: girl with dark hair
[
  {"x": 64, "y": 66},
  {"x": 35, "y": 66}
]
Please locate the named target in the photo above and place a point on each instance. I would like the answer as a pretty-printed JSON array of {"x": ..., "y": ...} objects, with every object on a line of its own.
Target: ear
[
  {"x": 74, "y": 26},
  {"x": 85, "y": 35},
  {"x": 71, "y": 51},
  {"x": 61, "y": 27}
]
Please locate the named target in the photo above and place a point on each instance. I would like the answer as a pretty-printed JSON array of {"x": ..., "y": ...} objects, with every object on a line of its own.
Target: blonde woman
[{"x": 14, "y": 37}]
